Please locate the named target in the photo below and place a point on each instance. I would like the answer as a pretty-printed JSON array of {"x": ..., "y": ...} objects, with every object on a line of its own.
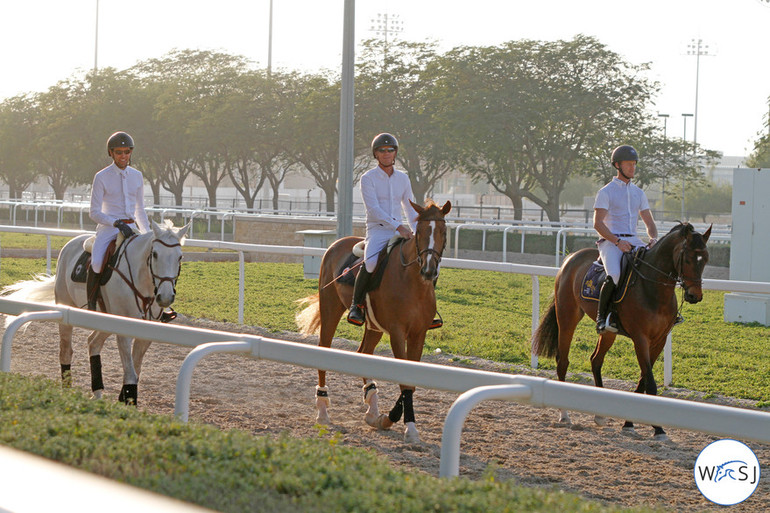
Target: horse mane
[
  {"x": 169, "y": 231},
  {"x": 682, "y": 230},
  {"x": 431, "y": 212}
]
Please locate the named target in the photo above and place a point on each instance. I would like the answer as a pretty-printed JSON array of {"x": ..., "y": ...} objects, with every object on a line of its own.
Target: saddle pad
[
  {"x": 80, "y": 271},
  {"x": 595, "y": 276}
]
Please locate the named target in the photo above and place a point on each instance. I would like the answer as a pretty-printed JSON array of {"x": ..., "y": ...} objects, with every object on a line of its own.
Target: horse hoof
[
  {"x": 411, "y": 436},
  {"x": 564, "y": 418},
  {"x": 661, "y": 437},
  {"x": 97, "y": 394},
  {"x": 383, "y": 422},
  {"x": 628, "y": 430},
  {"x": 371, "y": 420},
  {"x": 600, "y": 421}
]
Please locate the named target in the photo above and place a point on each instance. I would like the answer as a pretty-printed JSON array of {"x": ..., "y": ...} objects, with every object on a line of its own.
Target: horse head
[
  {"x": 430, "y": 237},
  {"x": 165, "y": 260},
  {"x": 690, "y": 258}
]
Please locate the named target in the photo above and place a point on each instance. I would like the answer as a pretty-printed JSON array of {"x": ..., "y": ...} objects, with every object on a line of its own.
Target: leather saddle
[
  {"x": 80, "y": 271},
  {"x": 347, "y": 272},
  {"x": 596, "y": 275}
]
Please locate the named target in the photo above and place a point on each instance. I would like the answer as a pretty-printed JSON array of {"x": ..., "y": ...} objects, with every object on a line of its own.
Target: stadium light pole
[
  {"x": 96, "y": 39},
  {"x": 697, "y": 48},
  {"x": 270, "y": 42},
  {"x": 684, "y": 138},
  {"x": 347, "y": 96},
  {"x": 663, "y": 186}
]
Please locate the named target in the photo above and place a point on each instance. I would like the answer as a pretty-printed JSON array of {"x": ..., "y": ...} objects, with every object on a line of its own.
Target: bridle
[
  {"x": 419, "y": 258},
  {"x": 145, "y": 303},
  {"x": 677, "y": 277}
]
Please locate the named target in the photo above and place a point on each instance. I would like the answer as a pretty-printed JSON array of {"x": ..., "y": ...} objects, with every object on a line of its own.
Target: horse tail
[
  {"x": 309, "y": 318},
  {"x": 40, "y": 289},
  {"x": 545, "y": 339}
]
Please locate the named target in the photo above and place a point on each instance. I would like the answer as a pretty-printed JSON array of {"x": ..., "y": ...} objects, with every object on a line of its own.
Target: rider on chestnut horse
[{"x": 616, "y": 210}]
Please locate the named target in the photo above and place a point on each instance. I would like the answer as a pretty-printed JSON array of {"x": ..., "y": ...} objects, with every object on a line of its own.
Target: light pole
[
  {"x": 684, "y": 139},
  {"x": 386, "y": 24},
  {"x": 270, "y": 42},
  {"x": 96, "y": 39},
  {"x": 663, "y": 186},
  {"x": 697, "y": 48}
]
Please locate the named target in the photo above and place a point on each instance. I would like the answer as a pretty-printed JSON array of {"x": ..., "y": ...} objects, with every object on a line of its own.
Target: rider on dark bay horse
[
  {"x": 386, "y": 193},
  {"x": 117, "y": 201},
  {"x": 617, "y": 207}
]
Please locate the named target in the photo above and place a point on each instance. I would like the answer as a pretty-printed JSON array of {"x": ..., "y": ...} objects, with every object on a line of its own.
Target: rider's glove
[{"x": 124, "y": 228}]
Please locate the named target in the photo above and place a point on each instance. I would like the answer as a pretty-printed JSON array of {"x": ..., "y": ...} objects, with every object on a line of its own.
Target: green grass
[
  {"x": 232, "y": 471},
  {"x": 488, "y": 315}
]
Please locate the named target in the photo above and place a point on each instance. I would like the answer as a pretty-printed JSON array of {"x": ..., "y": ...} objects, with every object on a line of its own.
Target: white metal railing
[
  {"x": 534, "y": 271},
  {"x": 69, "y": 490},
  {"x": 475, "y": 385}
]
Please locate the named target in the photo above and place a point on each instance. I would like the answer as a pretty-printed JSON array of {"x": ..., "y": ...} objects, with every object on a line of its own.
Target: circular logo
[{"x": 726, "y": 472}]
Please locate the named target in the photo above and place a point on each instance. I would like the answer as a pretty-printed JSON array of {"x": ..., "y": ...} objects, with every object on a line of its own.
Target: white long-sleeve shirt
[
  {"x": 118, "y": 194},
  {"x": 385, "y": 198}
]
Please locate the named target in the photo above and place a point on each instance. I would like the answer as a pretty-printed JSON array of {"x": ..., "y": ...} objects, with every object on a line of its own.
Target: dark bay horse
[
  {"x": 403, "y": 306},
  {"x": 646, "y": 313}
]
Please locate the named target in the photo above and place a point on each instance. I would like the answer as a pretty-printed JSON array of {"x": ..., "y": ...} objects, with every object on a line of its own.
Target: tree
[
  {"x": 17, "y": 149},
  {"x": 315, "y": 128},
  {"x": 760, "y": 157},
  {"x": 397, "y": 96},
  {"x": 533, "y": 113}
]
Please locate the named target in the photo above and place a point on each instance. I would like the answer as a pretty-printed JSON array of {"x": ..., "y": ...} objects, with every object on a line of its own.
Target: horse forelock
[{"x": 432, "y": 212}]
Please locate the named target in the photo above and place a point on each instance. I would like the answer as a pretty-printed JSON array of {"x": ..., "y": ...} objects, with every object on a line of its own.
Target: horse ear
[
  {"x": 446, "y": 208},
  {"x": 156, "y": 229},
  {"x": 417, "y": 207},
  {"x": 707, "y": 233},
  {"x": 182, "y": 233}
]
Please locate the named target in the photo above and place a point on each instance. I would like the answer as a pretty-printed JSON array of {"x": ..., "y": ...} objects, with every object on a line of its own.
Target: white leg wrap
[
  {"x": 411, "y": 436},
  {"x": 322, "y": 402},
  {"x": 324, "y": 397},
  {"x": 564, "y": 417}
]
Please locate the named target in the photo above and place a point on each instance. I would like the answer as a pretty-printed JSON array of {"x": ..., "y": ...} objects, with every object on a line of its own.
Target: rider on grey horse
[{"x": 117, "y": 202}]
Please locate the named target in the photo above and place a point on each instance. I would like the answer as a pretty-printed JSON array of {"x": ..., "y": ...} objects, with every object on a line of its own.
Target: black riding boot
[
  {"x": 605, "y": 296},
  {"x": 438, "y": 321},
  {"x": 356, "y": 315},
  {"x": 92, "y": 287}
]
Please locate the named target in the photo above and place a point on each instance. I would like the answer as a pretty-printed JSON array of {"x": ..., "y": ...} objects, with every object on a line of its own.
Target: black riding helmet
[
  {"x": 384, "y": 139},
  {"x": 119, "y": 140},
  {"x": 624, "y": 152}
]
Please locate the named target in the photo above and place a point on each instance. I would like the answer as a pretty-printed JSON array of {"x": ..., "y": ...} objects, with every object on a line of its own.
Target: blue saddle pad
[{"x": 595, "y": 276}]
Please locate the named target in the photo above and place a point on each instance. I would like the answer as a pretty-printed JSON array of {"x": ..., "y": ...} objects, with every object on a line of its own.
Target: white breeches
[
  {"x": 104, "y": 235},
  {"x": 611, "y": 256},
  {"x": 376, "y": 240}
]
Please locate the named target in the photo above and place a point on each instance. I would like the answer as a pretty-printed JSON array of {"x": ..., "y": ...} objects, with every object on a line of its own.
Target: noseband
[
  {"x": 162, "y": 279},
  {"x": 146, "y": 301},
  {"x": 419, "y": 259}
]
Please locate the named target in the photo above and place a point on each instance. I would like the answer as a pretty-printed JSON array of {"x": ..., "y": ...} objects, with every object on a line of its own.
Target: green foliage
[{"x": 231, "y": 471}]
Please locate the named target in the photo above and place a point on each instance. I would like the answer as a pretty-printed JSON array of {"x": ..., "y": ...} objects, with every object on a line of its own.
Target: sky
[{"x": 44, "y": 41}]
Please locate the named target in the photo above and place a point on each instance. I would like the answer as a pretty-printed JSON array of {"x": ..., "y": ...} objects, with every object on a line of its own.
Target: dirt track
[{"x": 521, "y": 443}]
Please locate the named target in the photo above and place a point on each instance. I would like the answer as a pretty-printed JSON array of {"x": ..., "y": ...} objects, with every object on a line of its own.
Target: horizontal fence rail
[
  {"x": 535, "y": 271},
  {"x": 70, "y": 490},
  {"x": 473, "y": 384}
]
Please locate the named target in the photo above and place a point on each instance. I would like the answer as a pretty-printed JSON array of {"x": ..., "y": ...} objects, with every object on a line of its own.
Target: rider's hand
[
  {"x": 624, "y": 246},
  {"x": 124, "y": 228},
  {"x": 652, "y": 242},
  {"x": 404, "y": 232}
]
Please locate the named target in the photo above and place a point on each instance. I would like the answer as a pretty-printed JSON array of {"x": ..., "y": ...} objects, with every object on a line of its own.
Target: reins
[{"x": 146, "y": 301}]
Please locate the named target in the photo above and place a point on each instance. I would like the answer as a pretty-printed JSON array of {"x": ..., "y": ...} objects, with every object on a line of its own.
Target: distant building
[{"x": 722, "y": 172}]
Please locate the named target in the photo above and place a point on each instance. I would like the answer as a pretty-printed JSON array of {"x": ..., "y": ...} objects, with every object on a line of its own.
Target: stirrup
[
  {"x": 605, "y": 324},
  {"x": 679, "y": 320},
  {"x": 359, "y": 317},
  {"x": 168, "y": 316},
  {"x": 436, "y": 323}
]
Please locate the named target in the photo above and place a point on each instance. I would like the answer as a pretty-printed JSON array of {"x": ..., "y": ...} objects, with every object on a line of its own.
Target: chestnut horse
[
  {"x": 403, "y": 306},
  {"x": 646, "y": 314}
]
